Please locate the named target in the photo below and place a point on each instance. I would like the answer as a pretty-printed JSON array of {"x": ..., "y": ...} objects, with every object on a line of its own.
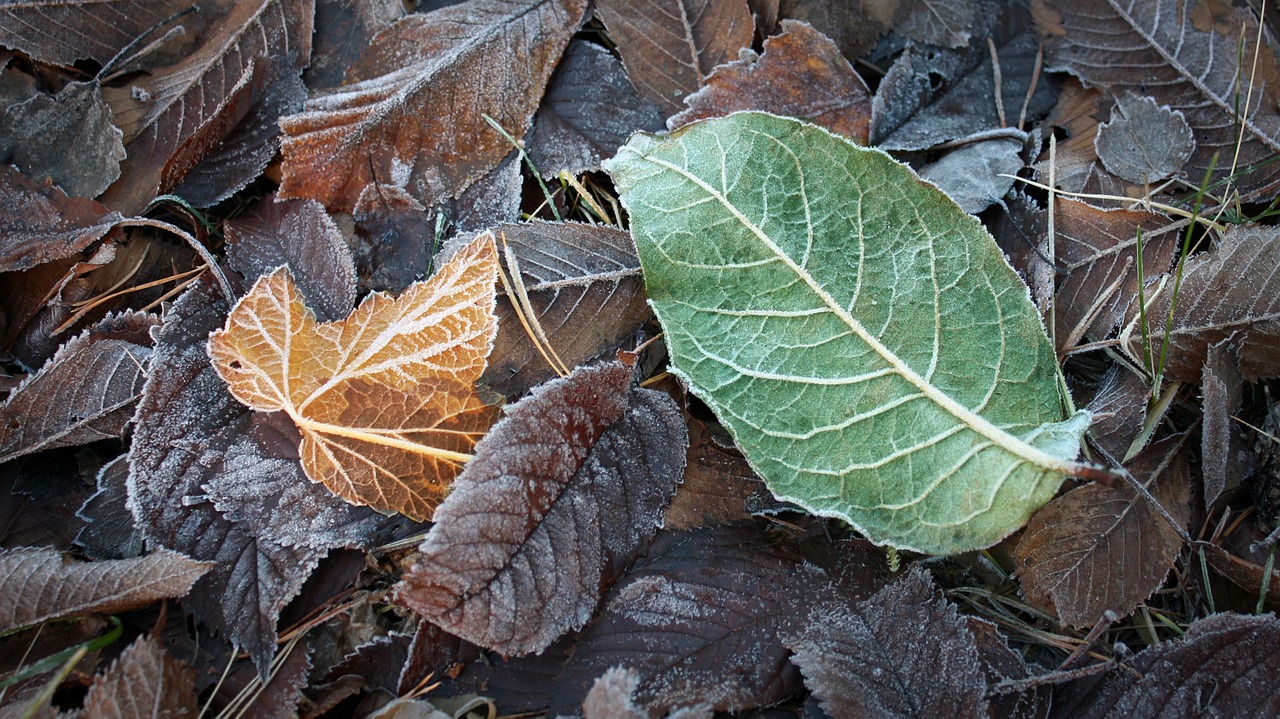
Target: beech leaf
[
  {"x": 385, "y": 399},
  {"x": 561, "y": 496},
  {"x": 863, "y": 340}
]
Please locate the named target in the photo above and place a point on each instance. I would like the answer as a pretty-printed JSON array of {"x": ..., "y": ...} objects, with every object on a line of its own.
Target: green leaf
[{"x": 863, "y": 339}]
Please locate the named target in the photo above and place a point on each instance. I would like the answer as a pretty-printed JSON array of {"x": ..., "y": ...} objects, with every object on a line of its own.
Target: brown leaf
[
  {"x": 1076, "y": 164},
  {"x": 174, "y": 119},
  {"x": 1119, "y": 409},
  {"x": 85, "y": 393},
  {"x": 1196, "y": 59},
  {"x": 40, "y": 584},
  {"x": 589, "y": 111},
  {"x": 411, "y": 113},
  {"x": 1221, "y": 448},
  {"x": 68, "y": 137},
  {"x": 343, "y": 29},
  {"x": 669, "y": 47},
  {"x": 562, "y": 494},
  {"x": 801, "y": 74},
  {"x": 719, "y": 487},
  {"x": 945, "y": 23},
  {"x": 1232, "y": 292},
  {"x": 1144, "y": 142},
  {"x": 109, "y": 531},
  {"x": 385, "y": 399},
  {"x": 905, "y": 651},
  {"x": 62, "y": 32},
  {"x": 1225, "y": 665},
  {"x": 1099, "y": 548},
  {"x": 611, "y": 697},
  {"x": 585, "y": 288},
  {"x": 39, "y": 224},
  {"x": 144, "y": 681},
  {"x": 1098, "y": 249},
  {"x": 854, "y": 26}
]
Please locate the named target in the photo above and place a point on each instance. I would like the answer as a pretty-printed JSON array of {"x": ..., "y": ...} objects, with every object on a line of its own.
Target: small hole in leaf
[{"x": 235, "y": 364}]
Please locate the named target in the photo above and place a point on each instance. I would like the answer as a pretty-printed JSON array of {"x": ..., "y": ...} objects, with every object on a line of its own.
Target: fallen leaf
[
  {"x": 1214, "y": 304},
  {"x": 63, "y": 32},
  {"x": 611, "y": 697},
  {"x": 1197, "y": 59},
  {"x": 589, "y": 111},
  {"x": 109, "y": 532},
  {"x": 1099, "y": 548},
  {"x": 584, "y": 286},
  {"x": 40, "y": 584},
  {"x": 801, "y": 74},
  {"x": 412, "y": 111},
  {"x": 385, "y": 399},
  {"x": 669, "y": 47},
  {"x": 1144, "y": 142},
  {"x": 343, "y": 29},
  {"x": 67, "y": 137},
  {"x": 1221, "y": 448},
  {"x": 85, "y": 393},
  {"x": 825, "y": 360},
  {"x": 562, "y": 495},
  {"x": 1119, "y": 409},
  {"x": 144, "y": 681},
  {"x": 903, "y": 652},
  {"x": 718, "y": 488},
  {"x": 39, "y": 224},
  {"x": 945, "y": 23},
  {"x": 854, "y": 27},
  {"x": 1076, "y": 164},
  {"x": 1225, "y": 665},
  {"x": 977, "y": 175}
]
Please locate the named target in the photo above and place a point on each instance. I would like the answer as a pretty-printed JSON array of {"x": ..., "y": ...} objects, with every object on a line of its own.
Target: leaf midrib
[{"x": 976, "y": 422}]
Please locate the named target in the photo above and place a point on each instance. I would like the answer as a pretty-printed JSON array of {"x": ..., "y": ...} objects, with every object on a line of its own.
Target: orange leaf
[{"x": 385, "y": 399}]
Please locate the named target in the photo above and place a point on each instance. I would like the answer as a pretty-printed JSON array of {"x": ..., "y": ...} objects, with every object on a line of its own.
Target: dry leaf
[
  {"x": 145, "y": 681},
  {"x": 385, "y": 399},
  {"x": 39, "y": 224},
  {"x": 63, "y": 32}
]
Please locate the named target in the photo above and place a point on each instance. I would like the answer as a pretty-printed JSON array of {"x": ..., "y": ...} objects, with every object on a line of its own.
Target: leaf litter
[{"x": 610, "y": 549}]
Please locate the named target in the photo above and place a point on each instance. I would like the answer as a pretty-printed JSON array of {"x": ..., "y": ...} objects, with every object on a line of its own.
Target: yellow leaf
[{"x": 385, "y": 400}]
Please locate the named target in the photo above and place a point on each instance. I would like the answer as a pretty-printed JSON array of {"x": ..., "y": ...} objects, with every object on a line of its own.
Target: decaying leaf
[
  {"x": 1099, "y": 548},
  {"x": 825, "y": 357},
  {"x": 1215, "y": 305},
  {"x": 144, "y": 681},
  {"x": 41, "y": 584},
  {"x": 40, "y": 224},
  {"x": 343, "y": 29},
  {"x": 385, "y": 399},
  {"x": 1119, "y": 409},
  {"x": 903, "y": 652},
  {"x": 669, "y": 47},
  {"x": 562, "y": 494},
  {"x": 67, "y": 137},
  {"x": 801, "y": 74},
  {"x": 584, "y": 287},
  {"x": 109, "y": 532},
  {"x": 611, "y": 697},
  {"x": 412, "y": 111},
  {"x": 63, "y": 32},
  {"x": 1221, "y": 450},
  {"x": 1195, "y": 57},
  {"x": 1144, "y": 142},
  {"x": 977, "y": 175}
]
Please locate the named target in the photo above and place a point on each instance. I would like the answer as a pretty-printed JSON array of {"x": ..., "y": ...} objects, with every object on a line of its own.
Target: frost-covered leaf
[
  {"x": 904, "y": 652},
  {"x": 39, "y": 223},
  {"x": 900, "y": 380},
  {"x": 978, "y": 175},
  {"x": 1144, "y": 142},
  {"x": 85, "y": 393},
  {"x": 669, "y": 47},
  {"x": 1225, "y": 665},
  {"x": 1196, "y": 58},
  {"x": 175, "y": 117},
  {"x": 1099, "y": 548},
  {"x": 1119, "y": 409},
  {"x": 67, "y": 137},
  {"x": 62, "y": 32},
  {"x": 1221, "y": 450},
  {"x": 718, "y": 488},
  {"x": 1232, "y": 292},
  {"x": 699, "y": 620},
  {"x": 584, "y": 285},
  {"x": 144, "y": 682},
  {"x": 561, "y": 496},
  {"x": 589, "y": 111},
  {"x": 611, "y": 697},
  {"x": 412, "y": 111},
  {"x": 801, "y": 74},
  {"x": 854, "y": 26},
  {"x": 109, "y": 532},
  {"x": 41, "y": 584},
  {"x": 385, "y": 398},
  {"x": 343, "y": 29},
  {"x": 945, "y": 23}
]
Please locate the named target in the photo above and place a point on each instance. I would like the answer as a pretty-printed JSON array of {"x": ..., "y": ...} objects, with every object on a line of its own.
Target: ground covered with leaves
[{"x": 333, "y": 384}]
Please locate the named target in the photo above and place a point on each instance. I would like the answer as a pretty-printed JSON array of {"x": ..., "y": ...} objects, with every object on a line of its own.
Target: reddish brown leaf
[
  {"x": 174, "y": 119},
  {"x": 669, "y": 47},
  {"x": 1197, "y": 59},
  {"x": 719, "y": 487},
  {"x": 61, "y": 32},
  {"x": 589, "y": 111},
  {"x": 584, "y": 285},
  {"x": 1076, "y": 164},
  {"x": 40, "y": 584},
  {"x": 1243, "y": 573},
  {"x": 85, "y": 393},
  {"x": 67, "y": 137},
  {"x": 40, "y": 224},
  {"x": 1099, "y": 548},
  {"x": 1225, "y": 665},
  {"x": 144, "y": 681},
  {"x": 385, "y": 399},
  {"x": 905, "y": 651},
  {"x": 699, "y": 619},
  {"x": 561, "y": 496},
  {"x": 1221, "y": 449},
  {"x": 801, "y": 74},
  {"x": 343, "y": 29},
  {"x": 1119, "y": 409},
  {"x": 1098, "y": 249},
  {"x": 1214, "y": 304},
  {"x": 412, "y": 112}
]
